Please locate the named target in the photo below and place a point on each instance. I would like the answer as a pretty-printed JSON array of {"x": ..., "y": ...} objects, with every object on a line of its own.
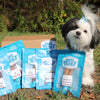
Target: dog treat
[
  {"x": 15, "y": 71},
  {"x": 0, "y": 75},
  {"x": 68, "y": 71},
  {"x": 7, "y": 84},
  {"x": 46, "y": 65},
  {"x": 14, "y": 53},
  {"x": 68, "y": 74},
  {"x": 2, "y": 84},
  {"x": 67, "y": 77},
  {"x": 29, "y": 68},
  {"x": 31, "y": 73},
  {"x": 34, "y": 75},
  {"x": 49, "y": 77}
]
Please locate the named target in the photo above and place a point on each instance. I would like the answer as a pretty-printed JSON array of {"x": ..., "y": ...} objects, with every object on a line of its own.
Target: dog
[{"x": 82, "y": 34}]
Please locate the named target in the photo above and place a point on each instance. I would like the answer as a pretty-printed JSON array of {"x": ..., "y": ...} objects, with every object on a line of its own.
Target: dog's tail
[{"x": 92, "y": 17}]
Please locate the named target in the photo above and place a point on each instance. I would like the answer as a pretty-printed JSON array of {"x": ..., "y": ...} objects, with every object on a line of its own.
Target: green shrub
[
  {"x": 39, "y": 15},
  {"x": 3, "y": 26}
]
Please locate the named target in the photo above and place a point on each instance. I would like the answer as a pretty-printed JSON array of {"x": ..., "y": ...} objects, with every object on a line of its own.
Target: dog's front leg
[
  {"x": 87, "y": 80},
  {"x": 88, "y": 70}
]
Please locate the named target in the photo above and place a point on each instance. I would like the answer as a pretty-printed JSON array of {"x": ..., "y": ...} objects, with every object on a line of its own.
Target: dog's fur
[{"x": 83, "y": 36}]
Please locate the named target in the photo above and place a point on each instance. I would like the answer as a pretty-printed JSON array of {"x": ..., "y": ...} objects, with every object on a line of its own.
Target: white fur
[
  {"x": 83, "y": 41},
  {"x": 93, "y": 18},
  {"x": 84, "y": 38},
  {"x": 88, "y": 68}
]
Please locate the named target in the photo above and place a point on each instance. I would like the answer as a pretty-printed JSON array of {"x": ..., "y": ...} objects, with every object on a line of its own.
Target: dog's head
[{"x": 81, "y": 33}]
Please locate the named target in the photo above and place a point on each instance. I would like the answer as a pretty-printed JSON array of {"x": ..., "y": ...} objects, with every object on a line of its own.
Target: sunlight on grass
[
  {"x": 60, "y": 41},
  {"x": 97, "y": 88},
  {"x": 97, "y": 55}
]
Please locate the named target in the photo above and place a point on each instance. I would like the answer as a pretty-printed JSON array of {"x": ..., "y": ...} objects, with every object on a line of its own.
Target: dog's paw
[{"x": 88, "y": 81}]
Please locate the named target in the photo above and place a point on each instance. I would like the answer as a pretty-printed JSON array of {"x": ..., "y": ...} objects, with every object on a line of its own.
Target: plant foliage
[{"x": 37, "y": 15}]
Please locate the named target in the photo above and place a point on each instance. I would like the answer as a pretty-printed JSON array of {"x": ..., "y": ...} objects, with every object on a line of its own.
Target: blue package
[
  {"x": 14, "y": 52},
  {"x": 28, "y": 68},
  {"x": 50, "y": 44},
  {"x": 46, "y": 65},
  {"x": 69, "y": 70},
  {"x": 6, "y": 80}
]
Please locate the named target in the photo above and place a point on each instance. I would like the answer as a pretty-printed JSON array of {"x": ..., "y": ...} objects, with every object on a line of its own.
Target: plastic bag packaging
[
  {"x": 14, "y": 53},
  {"x": 28, "y": 68},
  {"x": 50, "y": 44},
  {"x": 46, "y": 65},
  {"x": 69, "y": 70},
  {"x": 7, "y": 84}
]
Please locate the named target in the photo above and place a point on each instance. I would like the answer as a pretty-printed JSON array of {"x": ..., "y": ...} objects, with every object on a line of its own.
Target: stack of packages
[
  {"x": 10, "y": 67},
  {"x": 43, "y": 68}
]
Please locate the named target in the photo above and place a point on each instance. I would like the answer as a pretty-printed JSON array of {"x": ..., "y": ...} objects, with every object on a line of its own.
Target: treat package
[
  {"x": 46, "y": 65},
  {"x": 50, "y": 44},
  {"x": 68, "y": 74},
  {"x": 14, "y": 53},
  {"x": 28, "y": 68},
  {"x": 7, "y": 84}
]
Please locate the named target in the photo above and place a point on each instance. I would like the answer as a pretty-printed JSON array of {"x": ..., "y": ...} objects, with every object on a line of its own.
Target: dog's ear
[
  {"x": 95, "y": 39},
  {"x": 69, "y": 25}
]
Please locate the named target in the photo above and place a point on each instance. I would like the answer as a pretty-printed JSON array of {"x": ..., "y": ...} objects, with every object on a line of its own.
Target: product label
[
  {"x": 49, "y": 77},
  {"x": 13, "y": 58},
  {"x": 49, "y": 61},
  {"x": 49, "y": 44},
  {"x": 31, "y": 73},
  {"x": 31, "y": 59},
  {"x": 67, "y": 80},
  {"x": 70, "y": 62},
  {"x": 16, "y": 73},
  {"x": 2, "y": 84},
  {"x": 1, "y": 67}
]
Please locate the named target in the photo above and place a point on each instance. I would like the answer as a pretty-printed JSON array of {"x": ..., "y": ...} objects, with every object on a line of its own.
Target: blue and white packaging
[
  {"x": 14, "y": 53},
  {"x": 28, "y": 68},
  {"x": 46, "y": 65},
  {"x": 50, "y": 44},
  {"x": 7, "y": 84},
  {"x": 69, "y": 70}
]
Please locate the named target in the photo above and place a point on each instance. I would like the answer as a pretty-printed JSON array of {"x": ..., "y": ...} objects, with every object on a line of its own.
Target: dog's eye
[{"x": 85, "y": 31}]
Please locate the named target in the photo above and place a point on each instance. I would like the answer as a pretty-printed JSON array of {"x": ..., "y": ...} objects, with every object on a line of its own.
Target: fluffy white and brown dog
[{"x": 82, "y": 34}]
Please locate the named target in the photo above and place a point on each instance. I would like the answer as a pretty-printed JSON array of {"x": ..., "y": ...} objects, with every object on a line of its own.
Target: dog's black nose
[{"x": 78, "y": 33}]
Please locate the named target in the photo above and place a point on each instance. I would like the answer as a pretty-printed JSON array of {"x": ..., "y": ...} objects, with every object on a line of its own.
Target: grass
[
  {"x": 97, "y": 55},
  {"x": 60, "y": 45},
  {"x": 97, "y": 88}
]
